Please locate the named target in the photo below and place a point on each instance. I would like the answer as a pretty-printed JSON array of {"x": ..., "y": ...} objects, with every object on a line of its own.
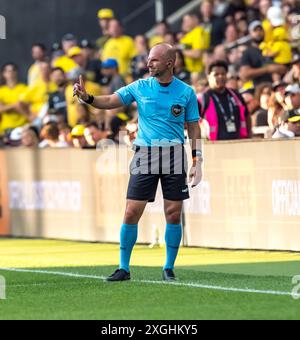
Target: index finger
[{"x": 81, "y": 83}]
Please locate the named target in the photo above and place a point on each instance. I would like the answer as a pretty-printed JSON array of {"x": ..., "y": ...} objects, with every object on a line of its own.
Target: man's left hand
[{"x": 196, "y": 174}]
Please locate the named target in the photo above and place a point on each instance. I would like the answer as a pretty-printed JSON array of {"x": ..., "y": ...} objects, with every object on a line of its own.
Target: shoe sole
[
  {"x": 169, "y": 279},
  {"x": 108, "y": 280}
]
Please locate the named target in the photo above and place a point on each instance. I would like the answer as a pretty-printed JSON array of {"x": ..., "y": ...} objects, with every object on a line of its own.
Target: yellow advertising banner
[{"x": 4, "y": 205}]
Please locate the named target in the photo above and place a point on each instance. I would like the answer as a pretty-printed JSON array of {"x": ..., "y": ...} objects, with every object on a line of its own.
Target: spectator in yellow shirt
[
  {"x": 264, "y": 6},
  {"x": 161, "y": 29},
  {"x": 36, "y": 96},
  {"x": 104, "y": 17},
  {"x": 279, "y": 49},
  {"x": 120, "y": 47},
  {"x": 38, "y": 52},
  {"x": 12, "y": 114},
  {"x": 195, "y": 41}
]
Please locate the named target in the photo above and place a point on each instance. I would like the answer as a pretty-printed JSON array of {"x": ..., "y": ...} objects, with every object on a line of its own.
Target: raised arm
[
  {"x": 100, "y": 102},
  {"x": 249, "y": 73}
]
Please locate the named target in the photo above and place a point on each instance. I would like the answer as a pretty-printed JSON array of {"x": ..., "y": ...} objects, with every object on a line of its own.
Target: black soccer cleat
[
  {"x": 168, "y": 275},
  {"x": 119, "y": 275}
]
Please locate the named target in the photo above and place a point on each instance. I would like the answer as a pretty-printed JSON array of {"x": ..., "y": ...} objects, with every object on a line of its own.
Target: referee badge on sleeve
[{"x": 177, "y": 110}]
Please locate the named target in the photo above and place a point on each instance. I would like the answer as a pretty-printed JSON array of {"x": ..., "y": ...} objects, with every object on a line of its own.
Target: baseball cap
[
  {"x": 78, "y": 131},
  {"x": 254, "y": 25},
  {"x": 275, "y": 16},
  {"x": 292, "y": 116},
  {"x": 279, "y": 84},
  {"x": 69, "y": 37},
  {"x": 110, "y": 63},
  {"x": 292, "y": 89},
  {"x": 250, "y": 90},
  {"x": 76, "y": 50},
  {"x": 106, "y": 13}
]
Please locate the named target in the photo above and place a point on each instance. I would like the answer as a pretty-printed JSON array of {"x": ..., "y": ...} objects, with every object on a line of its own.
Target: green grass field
[{"x": 65, "y": 280}]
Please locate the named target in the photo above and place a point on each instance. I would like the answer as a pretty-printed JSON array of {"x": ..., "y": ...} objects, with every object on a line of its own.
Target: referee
[{"x": 165, "y": 104}]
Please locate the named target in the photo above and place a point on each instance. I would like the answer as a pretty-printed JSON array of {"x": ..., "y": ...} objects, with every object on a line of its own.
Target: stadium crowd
[{"x": 241, "y": 57}]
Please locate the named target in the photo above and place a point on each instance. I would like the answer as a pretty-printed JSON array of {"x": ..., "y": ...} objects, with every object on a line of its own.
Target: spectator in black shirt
[
  {"x": 90, "y": 67},
  {"x": 57, "y": 100},
  {"x": 93, "y": 65},
  {"x": 223, "y": 108},
  {"x": 254, "y": 66},
  {"x": 110, "y": 70}
]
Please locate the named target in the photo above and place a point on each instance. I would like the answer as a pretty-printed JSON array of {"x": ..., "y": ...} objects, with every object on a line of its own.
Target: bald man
[{"x": 165, "y": 105}]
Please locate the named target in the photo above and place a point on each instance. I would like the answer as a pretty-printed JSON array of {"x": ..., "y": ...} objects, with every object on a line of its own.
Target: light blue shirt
[{"x": 162, "y": 110}]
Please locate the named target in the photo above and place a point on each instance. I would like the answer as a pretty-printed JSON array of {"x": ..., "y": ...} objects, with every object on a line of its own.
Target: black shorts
[{"x": 151, "y": 164}]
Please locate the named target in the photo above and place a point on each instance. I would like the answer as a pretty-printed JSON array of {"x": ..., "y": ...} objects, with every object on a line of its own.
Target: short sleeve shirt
[
  {"x": 162, "y": 110},
  {"x": 254, "y": 58}
]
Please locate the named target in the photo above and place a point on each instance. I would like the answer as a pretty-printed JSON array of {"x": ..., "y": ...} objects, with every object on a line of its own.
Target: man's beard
[
  {"x": 61, "y": 84},
  {"x": 258, "y": 40}
]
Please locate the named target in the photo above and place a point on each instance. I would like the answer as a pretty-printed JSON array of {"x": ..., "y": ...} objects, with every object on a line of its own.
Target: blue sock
[
  {"x": 173, "y": 239},
  {"x": 128, "y": 238}
]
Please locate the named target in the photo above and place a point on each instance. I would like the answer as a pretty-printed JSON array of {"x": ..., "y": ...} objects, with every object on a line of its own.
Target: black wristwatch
[{"x": 90, "y": 99}]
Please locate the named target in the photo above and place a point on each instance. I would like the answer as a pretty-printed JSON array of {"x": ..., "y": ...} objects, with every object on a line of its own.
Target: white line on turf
[{"x": 179, "y": 284}]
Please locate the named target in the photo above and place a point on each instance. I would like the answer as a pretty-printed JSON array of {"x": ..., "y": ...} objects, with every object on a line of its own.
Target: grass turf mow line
[{"x": 181, "y": 284}]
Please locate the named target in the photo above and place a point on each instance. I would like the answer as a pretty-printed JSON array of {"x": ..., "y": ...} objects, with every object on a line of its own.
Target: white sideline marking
[{"x": 180, "y": 284}]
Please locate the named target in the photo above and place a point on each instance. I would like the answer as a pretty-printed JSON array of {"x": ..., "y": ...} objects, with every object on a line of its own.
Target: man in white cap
[
  {"x": 290, "y": 126},
  {"x": 292, "y": 97}
]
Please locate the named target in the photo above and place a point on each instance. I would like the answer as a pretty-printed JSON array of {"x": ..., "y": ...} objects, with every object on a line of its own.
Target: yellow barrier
[{"x": 249, "y": 198}]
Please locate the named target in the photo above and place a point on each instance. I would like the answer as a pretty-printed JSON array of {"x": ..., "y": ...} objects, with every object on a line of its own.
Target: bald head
[
  {"x": 165, "y": 52},
  {"x": 161, "y": 61}
]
